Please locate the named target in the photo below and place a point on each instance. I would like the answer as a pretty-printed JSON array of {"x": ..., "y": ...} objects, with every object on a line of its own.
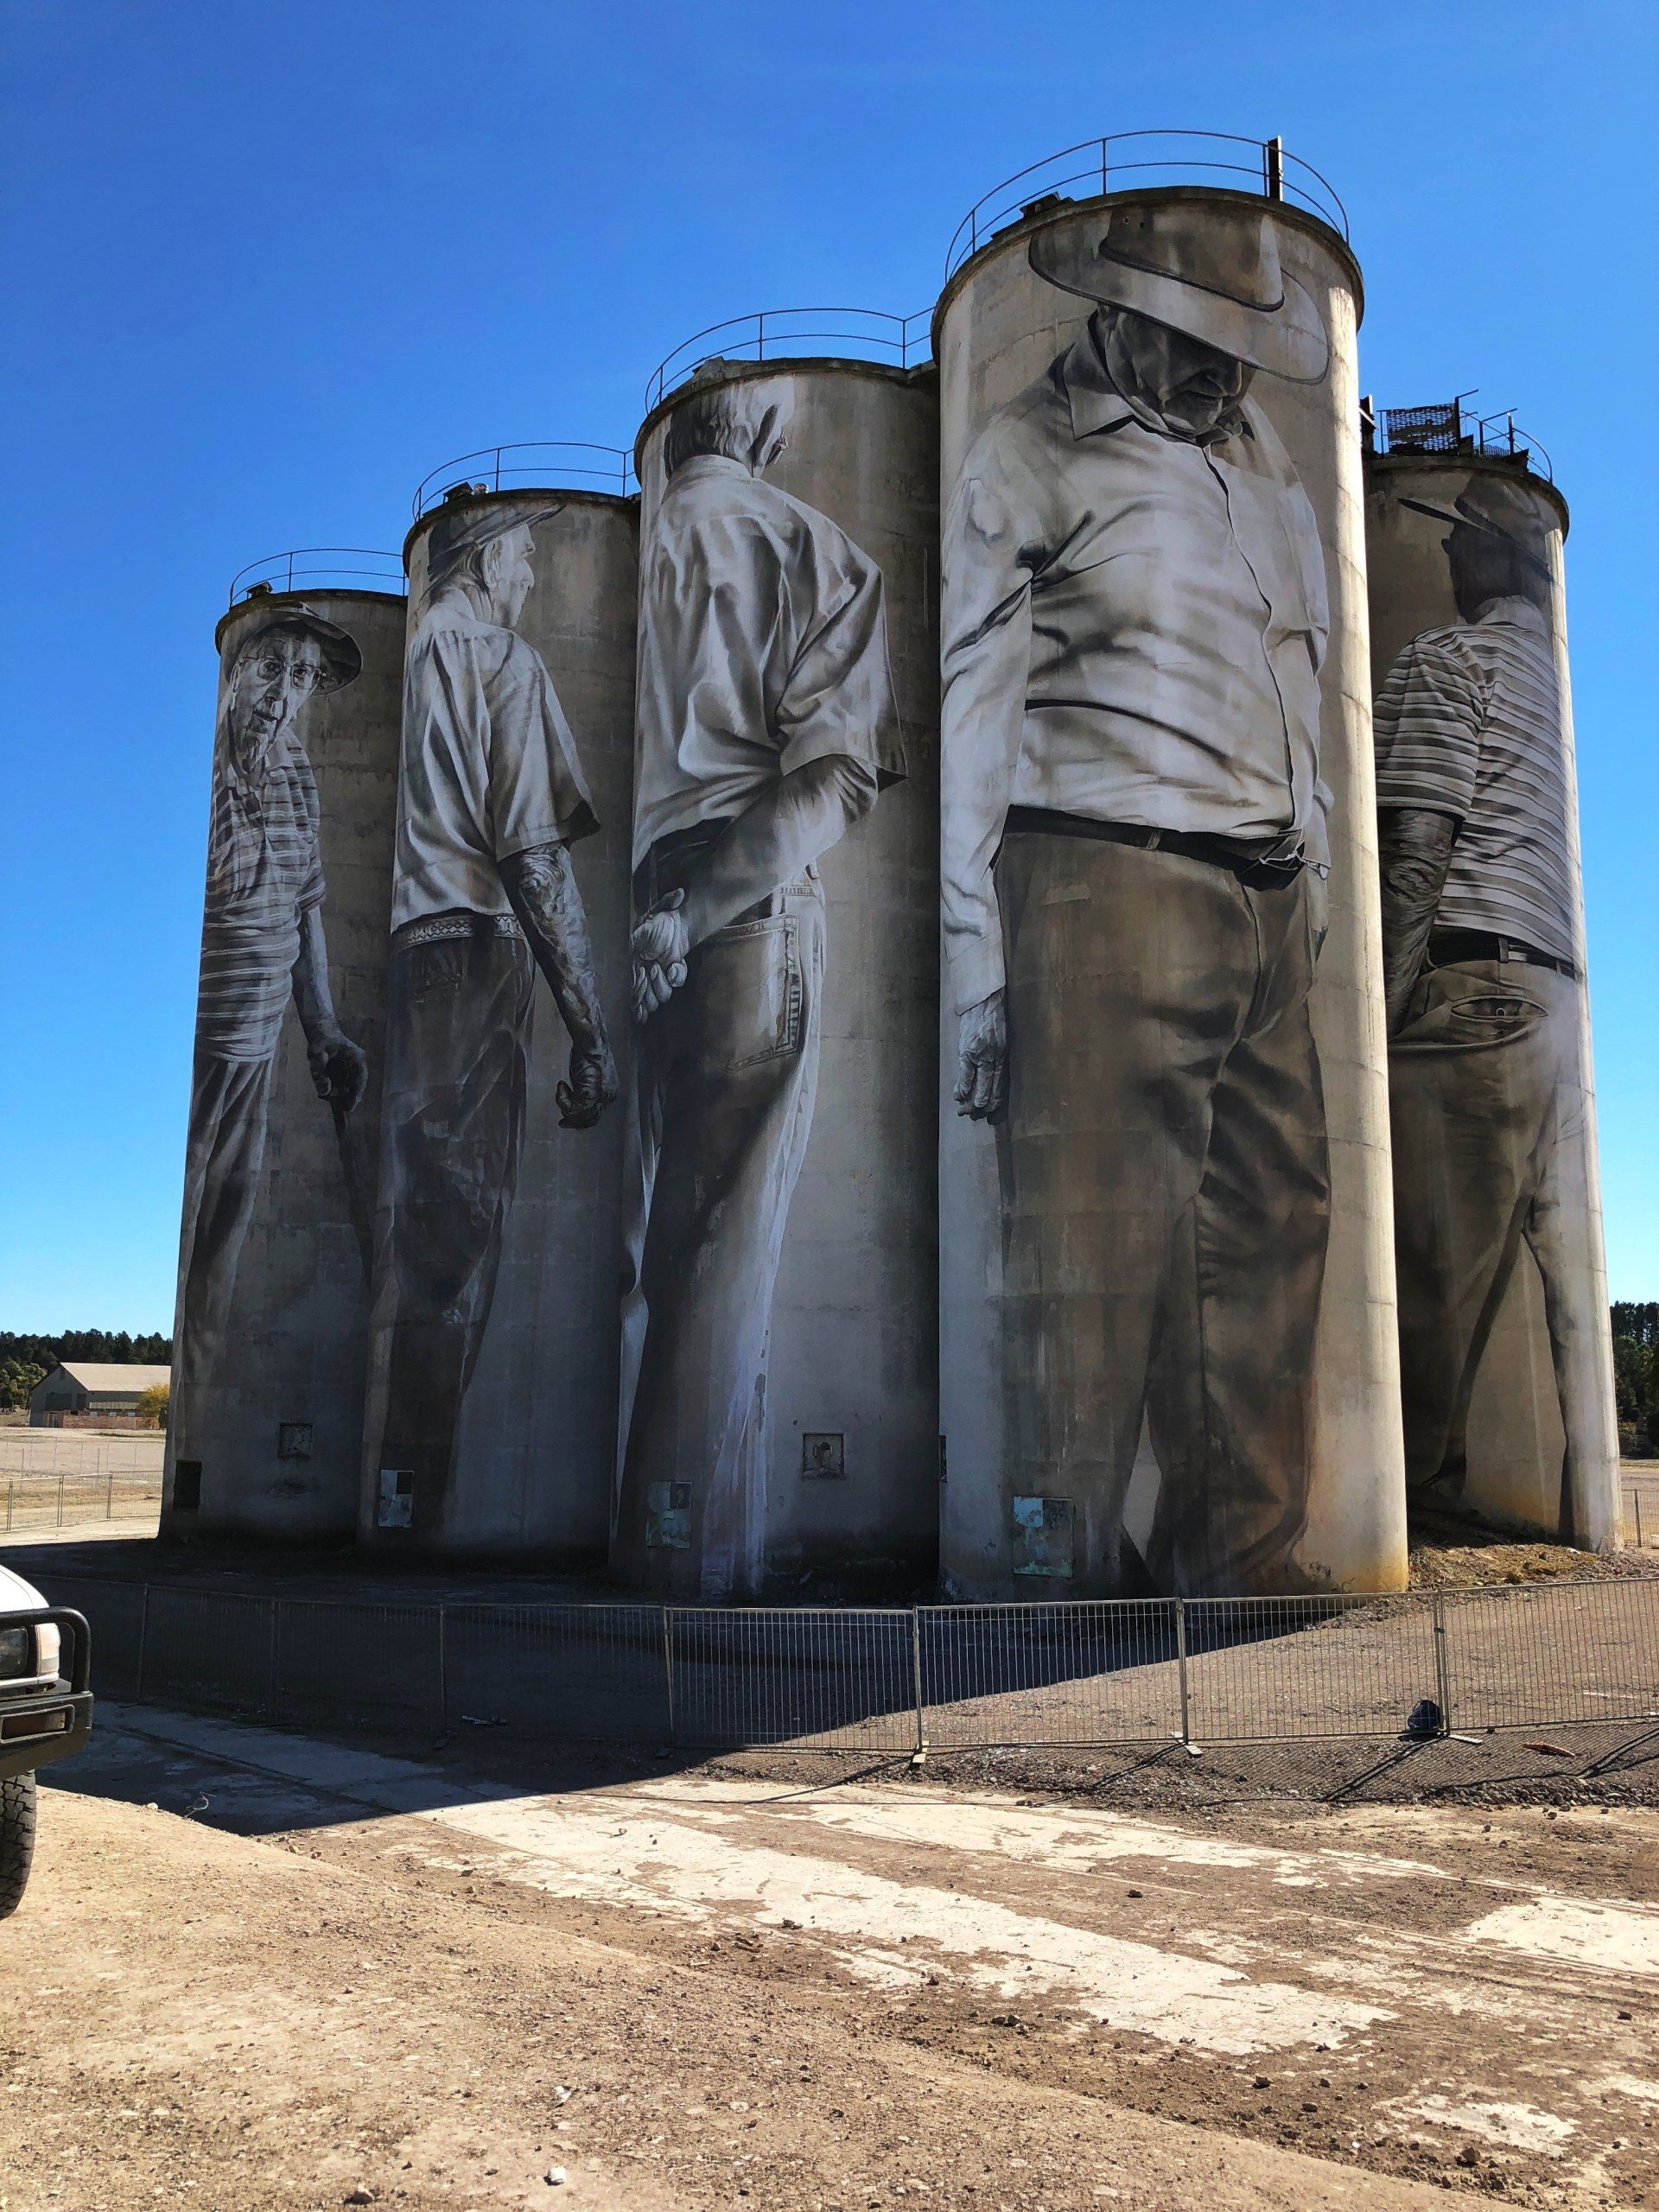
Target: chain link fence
[{"x": 889, "y": 1679}]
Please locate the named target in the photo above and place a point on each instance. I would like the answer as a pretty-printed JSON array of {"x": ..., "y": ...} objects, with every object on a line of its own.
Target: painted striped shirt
[
  {"x": 264, "y": 868},
  {"x": 1468, "y": 722}
]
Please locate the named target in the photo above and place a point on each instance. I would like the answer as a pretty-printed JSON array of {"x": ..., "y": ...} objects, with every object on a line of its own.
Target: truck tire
[{"x": 16, "y": 1839}]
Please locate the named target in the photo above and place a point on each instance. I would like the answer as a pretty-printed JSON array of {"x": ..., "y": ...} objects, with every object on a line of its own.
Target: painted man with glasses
[{"x": 262, "y": 943}]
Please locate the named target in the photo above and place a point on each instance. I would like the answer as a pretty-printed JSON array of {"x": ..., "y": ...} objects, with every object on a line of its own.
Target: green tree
[{"x": 152, "y": 1404}]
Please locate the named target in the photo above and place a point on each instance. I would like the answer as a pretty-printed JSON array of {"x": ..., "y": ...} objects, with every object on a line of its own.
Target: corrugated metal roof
[{"x": 103, "y": 1377}]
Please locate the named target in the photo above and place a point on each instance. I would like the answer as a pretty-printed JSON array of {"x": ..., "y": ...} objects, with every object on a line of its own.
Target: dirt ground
[{"x": 258, "y": 1970}]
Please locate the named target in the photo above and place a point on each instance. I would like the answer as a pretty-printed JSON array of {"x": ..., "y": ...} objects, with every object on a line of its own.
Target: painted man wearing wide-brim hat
[
  {"x": 1483, "y": 971},
  {"x": 1135, "y": 616},
  {"x": 262, "y": 943},
  {"x": 491, "y": 798}
]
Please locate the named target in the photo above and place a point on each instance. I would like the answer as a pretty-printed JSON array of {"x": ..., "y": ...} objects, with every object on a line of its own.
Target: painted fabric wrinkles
[
  {"x": 1478, "y": 1081},
  {"x": 1165, "y": 1202},
  {"x": 763, "y": 646},
  {"x": 1468, "y": 722},
  {"x": 1134, "y": 625},
  {"x": 264, "y": 869},
  {"x": 489, "y": 765}
]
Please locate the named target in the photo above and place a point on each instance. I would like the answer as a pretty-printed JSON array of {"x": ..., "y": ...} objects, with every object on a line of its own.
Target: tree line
[
  {"x": 1636, "y": 1366},
  {"x": 26, "y": 1360}
]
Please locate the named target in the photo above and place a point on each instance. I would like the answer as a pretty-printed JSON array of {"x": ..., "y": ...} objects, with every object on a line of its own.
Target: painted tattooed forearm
[{"x": 1415, "y": 855}]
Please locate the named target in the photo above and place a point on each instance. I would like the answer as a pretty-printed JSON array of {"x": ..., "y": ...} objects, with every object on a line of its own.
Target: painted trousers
[
  {"x": 726, "y": 1074},
  {"x": 457, "y": 1069},
  {"x": 224, "y": 1152},
  {"x": 1477, "y": 1073},
  {"x": 1166, "y": 1196}
]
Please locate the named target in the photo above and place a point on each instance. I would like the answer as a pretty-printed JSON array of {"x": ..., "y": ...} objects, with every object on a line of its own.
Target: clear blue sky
[{"x": 264, "y": 266}]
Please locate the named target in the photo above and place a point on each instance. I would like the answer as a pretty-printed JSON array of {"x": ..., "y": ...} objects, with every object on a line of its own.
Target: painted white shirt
[
  {"x": 1134, "y": 625},
  {"x": 763, "y": 646},
  {"x": 489, "y": 766}
]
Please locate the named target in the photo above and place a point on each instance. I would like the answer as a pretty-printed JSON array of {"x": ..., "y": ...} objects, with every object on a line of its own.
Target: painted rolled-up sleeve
[
  {"x": 838, "y": 701},
  {"x": 537, "y": 795},
  {"x": 1427, "y": 720},
  {"x": 984, "y": 664}
]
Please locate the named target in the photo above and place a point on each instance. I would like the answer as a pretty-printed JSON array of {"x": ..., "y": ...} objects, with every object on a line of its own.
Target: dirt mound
[{"x": 1449, "y": 1552}]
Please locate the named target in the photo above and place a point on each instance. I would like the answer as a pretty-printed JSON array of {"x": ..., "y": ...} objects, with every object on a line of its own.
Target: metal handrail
[
  {"x": 1494, "y": 436},
  {"x": 1276, "y": 175},
  {"x": 903, "y": 339},
  {"x": 278, "y": 572},
  {"x": 489, "y": 470}
]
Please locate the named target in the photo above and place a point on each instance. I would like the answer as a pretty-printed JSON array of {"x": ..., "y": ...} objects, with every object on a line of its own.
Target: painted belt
[
  {"x": 1276, "y": 861},
  {"x": 1450, "y": 946},
  {"x": 436, "y": 927}
]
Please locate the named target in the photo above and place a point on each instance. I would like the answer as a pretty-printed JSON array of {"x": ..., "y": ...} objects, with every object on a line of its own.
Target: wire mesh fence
[{"x": 892, "y": 1679}]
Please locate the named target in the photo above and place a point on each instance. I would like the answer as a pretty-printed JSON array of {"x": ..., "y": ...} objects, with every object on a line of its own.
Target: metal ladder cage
[
  {"x": 1123, "y": 159},
  {"x": 530, "y": 464},
  {"x": 853, "y": 334},
  {"x": 1449, "y": 428},
  {"x": 320, "y": 568}
]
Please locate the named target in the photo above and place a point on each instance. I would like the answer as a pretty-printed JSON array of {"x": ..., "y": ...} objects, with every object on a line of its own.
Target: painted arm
[
  {"x": 1416, "y": 853},
  {"x": 543, "y": 895},
  {"x": 340, "y": 1069},
  {"x": 769, "y": 843}
]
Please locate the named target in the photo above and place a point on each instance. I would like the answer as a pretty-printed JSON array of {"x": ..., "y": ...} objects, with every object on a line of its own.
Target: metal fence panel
[
  {"x": 1262, "y": 1668},
  {"x": 1523, "y": 1658},
  {"x": 355, "y": 1660},
  {"x": 115, "y": 1613},
  {"x": 213, "y": 1648},
  {"x": 1096, "y": 1672},
  {"x": 583, "y": 1672},
  {"x": 828, "y": 1679}
]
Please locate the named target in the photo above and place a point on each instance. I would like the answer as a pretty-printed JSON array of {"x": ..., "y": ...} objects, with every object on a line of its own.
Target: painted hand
[
  {"x": 592, "y": 1086},
  {"x": 660, "y": 944},
  {"x": 981, "y": 1088},
  {"x": 339, "y": 1069}
]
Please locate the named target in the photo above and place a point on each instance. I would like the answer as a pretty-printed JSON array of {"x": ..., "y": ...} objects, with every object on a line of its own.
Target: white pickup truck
[{"x": 46, "y": 1713}]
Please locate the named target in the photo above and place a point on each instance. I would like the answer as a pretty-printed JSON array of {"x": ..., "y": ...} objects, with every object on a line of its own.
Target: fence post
[
  {"x": 667, "y": 1668},
  {"x": 1442, "y": 1666},
  {"x": 1638, "y": 1525},
  {"x": 143, "y": 1640},
  {"x": 1180, "y": 1661},
  {"x": 443, "y": 1671},
  {"x": 109, "y": 1495},
  {"x": 1274, "y": 165},
  {"x": 273, "y": 1660},
  {"x": 916, "y": 1677},
  {"x": 60, "y": 1501}
]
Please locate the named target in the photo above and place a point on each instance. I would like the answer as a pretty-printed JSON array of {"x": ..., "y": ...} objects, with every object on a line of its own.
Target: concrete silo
[
  {"x": 266, "y": 1421},
  {"x": 1168, "y": 1358},
  {"x": 779, "y": 1415},
  {"x": 1506, "y": 1355},
  {"x": 491, "y": 1412}
]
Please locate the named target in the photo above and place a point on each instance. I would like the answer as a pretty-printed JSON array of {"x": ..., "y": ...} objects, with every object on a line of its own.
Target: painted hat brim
[
  {"x": 1478, "y": 521},
  {"x": 1288, "y": 340},
  {"x": 342, "y": 656}
]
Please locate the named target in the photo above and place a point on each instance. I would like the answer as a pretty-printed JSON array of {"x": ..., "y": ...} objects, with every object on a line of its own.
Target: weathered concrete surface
[
  {"x": 1515, "y": 1432},
  {"x": 997, "y": 328},
  {"x": 300, "y": 1319},
  {"x": 853, "y": 1352},
  {"x": 538, "y": 1421},
  {"x": 683, "y": 1988}
]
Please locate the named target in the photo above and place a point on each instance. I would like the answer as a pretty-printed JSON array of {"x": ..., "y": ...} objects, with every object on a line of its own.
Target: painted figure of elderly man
[
  {"x": 766, "y": 726},
  {"x": 491, "y": 798},
  {"x": 1483, "y": 972},
  {"x": 262, "y": 943},
  {"x": 1133, "y": 853}
]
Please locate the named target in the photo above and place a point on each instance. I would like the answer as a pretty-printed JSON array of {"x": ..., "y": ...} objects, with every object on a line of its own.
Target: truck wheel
[{"x": 16, "y": 1839}]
